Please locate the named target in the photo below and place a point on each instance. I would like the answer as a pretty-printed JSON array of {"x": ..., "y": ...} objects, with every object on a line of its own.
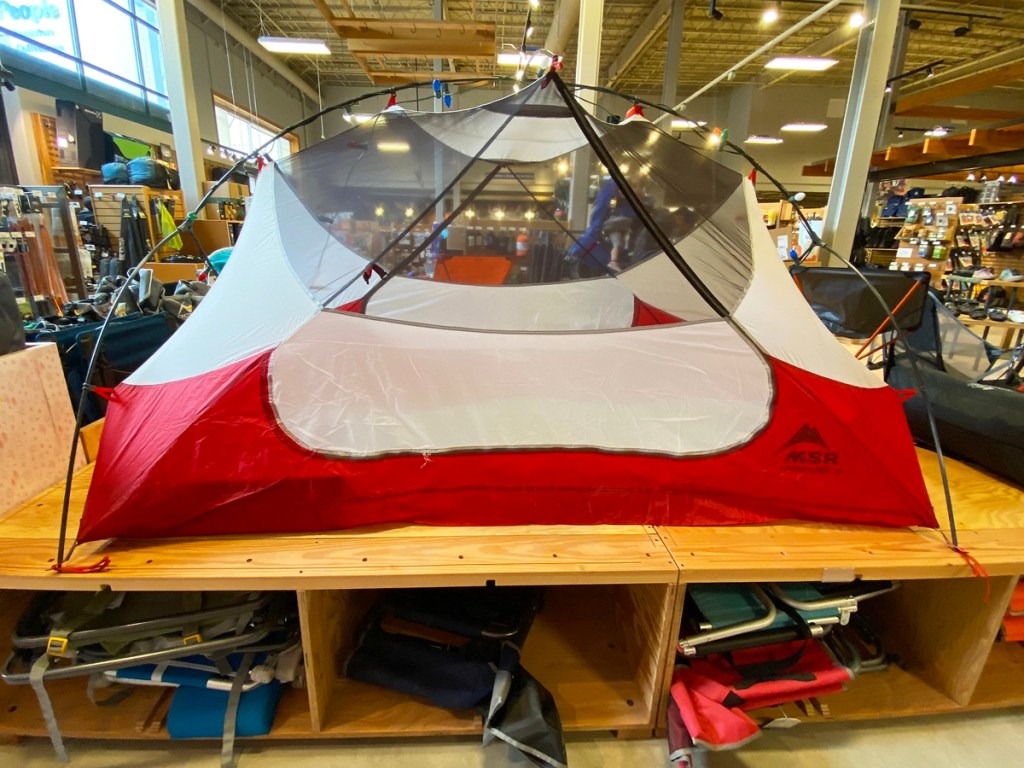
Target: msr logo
[{"x": 808, "y": 449}]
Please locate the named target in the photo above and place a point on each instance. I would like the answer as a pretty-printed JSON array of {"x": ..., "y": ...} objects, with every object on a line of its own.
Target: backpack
[{"x": 12, "y": 332}]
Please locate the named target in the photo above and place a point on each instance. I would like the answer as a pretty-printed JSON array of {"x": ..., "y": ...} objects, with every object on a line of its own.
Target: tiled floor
[{"x": 992, "y": 740}]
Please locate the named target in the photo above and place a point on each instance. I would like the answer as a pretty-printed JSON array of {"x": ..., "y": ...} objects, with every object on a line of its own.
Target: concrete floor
[{"x": 980, "y": 740}]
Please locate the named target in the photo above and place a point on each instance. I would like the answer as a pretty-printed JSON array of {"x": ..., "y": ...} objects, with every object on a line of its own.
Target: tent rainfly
[{"x": 659, "y": 367}]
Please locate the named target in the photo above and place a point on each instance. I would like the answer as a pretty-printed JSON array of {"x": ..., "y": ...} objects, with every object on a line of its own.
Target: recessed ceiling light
[
  {"x": 302, "y": 45},
  {"x": 804, "y": 127},
  {"x": 801, "y": 63},
  {"x": 681, "y": 124},
  {"x": 771, "y": 14},
  {"x": 763, "y": 140}
]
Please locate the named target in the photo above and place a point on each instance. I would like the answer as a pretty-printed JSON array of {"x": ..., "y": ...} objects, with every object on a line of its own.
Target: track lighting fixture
[
  {"x": 971, "y": 176},
  {"x": 913, "y": 23},
  {"x": 930, "y": 72},
  {"x": 713, "y": 12},
  {"x": 964, "y": 30}
]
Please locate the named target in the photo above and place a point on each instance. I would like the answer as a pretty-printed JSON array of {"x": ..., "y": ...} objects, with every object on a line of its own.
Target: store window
[
  {"x": 239, "y": 129},
  {"x": 108, "y": 49}
]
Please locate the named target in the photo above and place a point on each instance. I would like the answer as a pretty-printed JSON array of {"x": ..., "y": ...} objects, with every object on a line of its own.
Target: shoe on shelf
[
  {"x": 985, "y": 273},
  {"x": 978, "y": 313},
  {"x": 1015, "y": 316},
  {"x": 997, "y": 314},
  {"x": 1011, "y": 275}
]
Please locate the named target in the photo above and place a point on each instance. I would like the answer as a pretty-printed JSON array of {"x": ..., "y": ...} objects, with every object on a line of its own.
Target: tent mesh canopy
[{"x": 384, "y": 347}]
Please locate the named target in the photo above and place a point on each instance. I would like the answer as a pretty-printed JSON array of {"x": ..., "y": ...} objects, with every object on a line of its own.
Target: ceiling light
[
  {"x": 970, "y": 176},
  {"x": 520, "y": 74},
  {"x": 529, "y": 31},
  {"x": 393, "y": 146},
  {"x": 499, "y": 214},
  {"x": 984, "y": 177},
  {"x": 856, "y": 20},
  {"x": 563, "y": 167},
  {"x": 681, "y": 124},
  {"x": 771, "y": 14},
  {"x": 530, "y": 215},
  {"x": 378, "y": 211},
  {"x": 937, "y": 132},
  {"x": 801, "y": 63},
  {"x": 763, "y": 140},
  {"x": 359, "y": 117},
  {"x": 409, "y": 213},
  {"x": 930, "y": 72},
  {"x": 209, "y": 150},
  {"x": 1013, "y": 179},
  {"x": 305, "y": 45},
  {"x": 899, "y": 135},
  {"x": 804, "y": 127},
  {"x": 1001, "y": 178},
  {"x": 470, "y": 213},
  {"x": 535, "y": 3},
  {"x": 888, "y": 88},
  {"x": 521, "y": 60}
]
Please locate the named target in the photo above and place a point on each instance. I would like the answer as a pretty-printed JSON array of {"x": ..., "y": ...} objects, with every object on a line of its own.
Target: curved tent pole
[
  {"x": 817, "y": 241},
  {"x": 186, "y": 226}
]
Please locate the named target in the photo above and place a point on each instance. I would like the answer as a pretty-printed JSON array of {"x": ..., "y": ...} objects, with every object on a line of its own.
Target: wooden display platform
[{"x": 605, "y": 643}]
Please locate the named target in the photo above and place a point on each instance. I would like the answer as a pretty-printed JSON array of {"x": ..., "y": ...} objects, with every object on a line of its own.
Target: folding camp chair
[
  {"x": 64, "y": 635},
  {"x": 848, "y": 307},
  {"x": 739, "y": 616}
]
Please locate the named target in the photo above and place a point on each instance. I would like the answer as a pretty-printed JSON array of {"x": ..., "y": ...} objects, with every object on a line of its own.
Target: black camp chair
[{"x": 849, "y": 309}]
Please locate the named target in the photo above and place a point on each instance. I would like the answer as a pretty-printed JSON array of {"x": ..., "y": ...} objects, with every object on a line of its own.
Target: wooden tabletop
[
  {"x": 989, "y": 513},
  {"x": 401, "y": 556},
  {"x": 989, "y": 516}
]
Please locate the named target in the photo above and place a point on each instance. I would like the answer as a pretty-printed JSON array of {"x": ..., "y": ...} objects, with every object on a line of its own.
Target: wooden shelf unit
[{"x": 604, "y": 644}]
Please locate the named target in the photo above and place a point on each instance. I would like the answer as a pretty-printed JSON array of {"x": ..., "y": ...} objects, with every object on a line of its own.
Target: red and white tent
[{"x": 306, "y": 393}]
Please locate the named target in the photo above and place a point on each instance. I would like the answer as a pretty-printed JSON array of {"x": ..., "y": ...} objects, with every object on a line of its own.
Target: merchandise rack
[{"x": 604, "y": 643}]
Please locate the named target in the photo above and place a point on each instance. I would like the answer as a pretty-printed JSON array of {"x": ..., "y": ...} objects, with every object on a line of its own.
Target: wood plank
[
  {"x": 1002, "y": 681},
  {"x": 977, "y": 81},
  {"x": 970, "y": 114},
  {"x": 995, "y": 141},
  {"x": 328, "y": 621},
  {"x": 446, "y": 47},
  {"x": 943, "y": 629},
  {"x": 579, "y": 651},
  {"x": 380, "y": 29},
  {"x": 406, "y": 556},
  {"x": 90, "y": 436}
]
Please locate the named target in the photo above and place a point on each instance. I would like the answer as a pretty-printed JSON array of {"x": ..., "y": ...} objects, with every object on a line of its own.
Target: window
[
  {"x": 106, "y": 48},
  {"x": 239, "y": 129}
]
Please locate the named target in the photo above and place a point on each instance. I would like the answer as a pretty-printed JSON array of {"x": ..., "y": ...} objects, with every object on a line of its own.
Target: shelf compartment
[{"x": 600, "y": 649}]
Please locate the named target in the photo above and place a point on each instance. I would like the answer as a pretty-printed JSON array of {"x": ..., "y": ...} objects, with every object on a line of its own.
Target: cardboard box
[{"x": 36, "y": 425}]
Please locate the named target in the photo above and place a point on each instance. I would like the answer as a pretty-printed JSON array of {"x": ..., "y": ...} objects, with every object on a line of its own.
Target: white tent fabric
[
  {"x": 779, "y": 319},
  {"x": 674, "y": 389}
]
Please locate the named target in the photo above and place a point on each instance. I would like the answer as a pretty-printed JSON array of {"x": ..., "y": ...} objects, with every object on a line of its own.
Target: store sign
[{"x": 42, "y": 21}]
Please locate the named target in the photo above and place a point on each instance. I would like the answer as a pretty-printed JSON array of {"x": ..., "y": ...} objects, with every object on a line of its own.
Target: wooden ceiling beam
[
  {"x": 377, "y": 29},
  {"x": 970, "y": 114},
  {"x": 430, "y": 46},
  {"x": 992, "y": 141},
  {"x": 396, "y": 77},
  {"x": 1006, "y": 73}
]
